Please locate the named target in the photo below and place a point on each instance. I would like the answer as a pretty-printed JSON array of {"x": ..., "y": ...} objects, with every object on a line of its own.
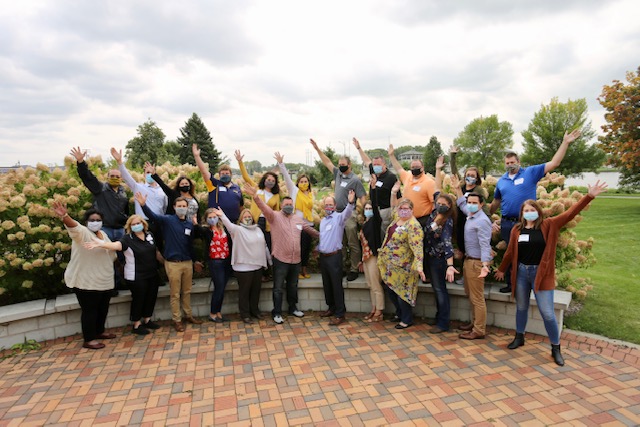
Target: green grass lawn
[{"x": 612, "y": 308}]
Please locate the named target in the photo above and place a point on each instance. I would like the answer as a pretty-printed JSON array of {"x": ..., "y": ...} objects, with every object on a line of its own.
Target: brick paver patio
[{"x": 308, "y": 373}]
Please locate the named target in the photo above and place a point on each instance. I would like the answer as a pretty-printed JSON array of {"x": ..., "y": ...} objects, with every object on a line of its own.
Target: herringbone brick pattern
[{"x": 306, "y": 372}]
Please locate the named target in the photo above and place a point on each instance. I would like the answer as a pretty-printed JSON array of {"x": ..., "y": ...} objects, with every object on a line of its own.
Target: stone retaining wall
[{"x": 43, "y": 320}]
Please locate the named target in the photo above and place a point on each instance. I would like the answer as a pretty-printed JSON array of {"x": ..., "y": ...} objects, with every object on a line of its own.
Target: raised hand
[
  {"x": 250, "y": 190},
  {"x": 59, "y": 209},
  {"x": 597, "y": 188},
  {"x": 455, "y": 182},
  {"x": 570, "y": 137},
  {"x": 140, "y": 198},
  {"x": 440, "y": 162},
  {"x": 117, "y": 155},
  {"x": 195, "y": 150},
  {"x": 352, "y": 196},
  {"x": 238, "y": 155},
  {"x": 218, "y": 211},
  {"x": 373, "y": 180},
  {"x": 356, "y": 143},
  {"x": 149, "y": 167},
  {"x": 194, "y": 219},
  {"x": 313, "y": 144},
  {"x": 279, "y": 157},
  {"x": 396, "y": 187},
  {"x": 78, "y": 154},
  {"x": 454, "y": 150},
  {"x": 390, "y": 150}
]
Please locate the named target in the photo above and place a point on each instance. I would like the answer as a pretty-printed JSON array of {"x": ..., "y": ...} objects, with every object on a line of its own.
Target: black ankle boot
[
  {"x": 557, "y": 356},
  {"x": 517, "y": 342}
]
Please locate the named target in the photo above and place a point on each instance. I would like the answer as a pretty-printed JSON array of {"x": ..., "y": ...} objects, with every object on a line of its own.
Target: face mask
[
  {"x": 94, "y": 225},
  {"x": 287, "y": 209},
  {"x": 470, "y": 180},
  {"x": 416, "y": 171},
  {"x": 181, "y": 211},
  {"x": 511, "y": 168},
  {"x": 404, "y": 213},
  {"x": 368, "y": 213},
  {"x": 225, "y": 178},
  {"x": 377, "y": 169},
  {"x": 473, "y": 208},
  {"x": 137, "y": 228},
  {"x": 269, "y": 184},
  {"x": 114, "y": 182},
  {"x": 530, "y": 216},
  {"x": 304, "y": 186},
  {"x": 148, "y": 178},
  {"x": 442, "y": 208},
  {"x": 343, "y": 169},
  {"x": 329, "y": 211},
  {"x": 212, "y": 221},
  {"x": 184, "y": 188},
  {"x": 247, "y": 221}
]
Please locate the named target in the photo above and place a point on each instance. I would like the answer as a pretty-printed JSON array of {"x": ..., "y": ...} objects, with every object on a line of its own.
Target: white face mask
[{"x": 94, "y": 226}]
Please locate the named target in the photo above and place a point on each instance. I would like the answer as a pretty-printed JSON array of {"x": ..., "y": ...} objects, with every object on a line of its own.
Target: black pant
[
  {"x": 94, "y": 306},
  {"x": 331, "y": 269},
  {"x": 305, "y": 248},
  {"x": 285, "y": 276},
  {"x": 249, "y": 286},
  {"x": 144, "y": 293}
]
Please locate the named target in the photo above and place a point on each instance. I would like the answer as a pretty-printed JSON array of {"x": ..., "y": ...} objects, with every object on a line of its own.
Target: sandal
[
  {"x": 375, "y": 318},
  {"x": 370, "y": 315}
]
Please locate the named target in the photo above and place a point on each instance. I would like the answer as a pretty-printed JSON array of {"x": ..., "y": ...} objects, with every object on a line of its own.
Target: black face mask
[
  {"x": 343, "y": 169},
  {"x": 442, "y": 208},
  {"x": 184, "y": 188},
  {"x": 416, "y": 171}
]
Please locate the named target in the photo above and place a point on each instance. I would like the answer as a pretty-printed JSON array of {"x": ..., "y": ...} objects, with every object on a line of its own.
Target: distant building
[
  {"x": 5, "y": 169},
  {"x": 410, "y": 155}
]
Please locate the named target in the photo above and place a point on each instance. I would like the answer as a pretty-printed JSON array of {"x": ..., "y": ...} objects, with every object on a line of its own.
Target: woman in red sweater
[{"x": 531, "y": 254}]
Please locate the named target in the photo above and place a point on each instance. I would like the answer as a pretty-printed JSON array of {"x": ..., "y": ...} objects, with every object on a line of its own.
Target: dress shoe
[
  {"x": 337, "y": 321},
  {"x": 140, "y": 330},
  {"x": 471, "y": 335},
  {"x": 193, "y": 320},
  {"x": 466, "y": 326},
  {"x": 557, "y": 355},
  {"x": 401, "y": 326},
  {"x": 436, "y": 330},
  {"x": 395, "y": 318},
  {"x": 178, "y": 326},
  {"x": 517, "y": 341},
  {"x": 247, "y": 320},
  {"x": 505, "y": 290},
  {"x": 105, "y": 336},
  {"x": 327, "y": 313},
  {"x": 96, "y": 346},
  {"x": 216, "y": 319},
  {"x": 258, "y": 316},
  {"x": 151, "y": 325}
]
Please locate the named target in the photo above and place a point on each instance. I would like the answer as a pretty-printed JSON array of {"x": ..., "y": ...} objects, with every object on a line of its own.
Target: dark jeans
[
  {"x": 249, "y": 286},
  {"x": 331, "y": 269},
  {"x": 505, "y": 234},
  {"x": 524, "y": 285},
  {"x": 144, "y": 293},
  {"x": 403, "y": 308},
  {"x": 305, "y": 248},
  {"x": 438, "y": 269},
  {"x": 115, "y": 234},
  {"x": 285, "y": 275},
  {"x": 220, "y": 270},
  {"x": 94, "y": 307}
]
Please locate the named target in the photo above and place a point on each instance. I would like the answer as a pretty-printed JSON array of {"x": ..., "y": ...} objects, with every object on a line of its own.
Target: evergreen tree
[
  {"x": 195, "y": 132},
  {"x": 431, "y": 154}
]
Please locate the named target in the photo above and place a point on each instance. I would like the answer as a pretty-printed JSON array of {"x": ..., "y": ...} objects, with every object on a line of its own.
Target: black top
[
  {"x": 382, "y": 189},
  {"x": 531, "y": 245},
  {"x": 140, "y": 257},
  {"x": 371, "y": 229},
  {"x": 114, "y": 204}
]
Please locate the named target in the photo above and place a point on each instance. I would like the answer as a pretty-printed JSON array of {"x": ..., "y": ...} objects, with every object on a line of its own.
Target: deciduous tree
[{"x": 147, "y": 146}]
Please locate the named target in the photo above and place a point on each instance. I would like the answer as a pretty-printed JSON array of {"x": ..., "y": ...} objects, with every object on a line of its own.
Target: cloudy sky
[{"x": 266, "y": 75}]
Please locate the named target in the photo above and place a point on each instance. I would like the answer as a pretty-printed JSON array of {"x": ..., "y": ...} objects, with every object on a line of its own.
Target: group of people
[{"x": 410, "y": 229}]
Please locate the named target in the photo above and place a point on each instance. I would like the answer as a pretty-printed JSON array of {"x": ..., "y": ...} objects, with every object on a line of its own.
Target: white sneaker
[
  {"x": 298, "y": 313},
  {"x": 278, "y": 319}
]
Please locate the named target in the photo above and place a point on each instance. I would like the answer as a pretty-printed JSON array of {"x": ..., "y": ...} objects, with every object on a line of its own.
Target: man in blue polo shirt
[{"x": 519, "y": 184}]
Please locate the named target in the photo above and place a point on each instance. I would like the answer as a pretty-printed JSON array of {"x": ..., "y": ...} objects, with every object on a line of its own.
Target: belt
[
  {"x": 177, "y": 260},
  {"x": 511, "y": 218},
  {"x": 331, "y": 253},
  {"x": 472, "y": 258}
]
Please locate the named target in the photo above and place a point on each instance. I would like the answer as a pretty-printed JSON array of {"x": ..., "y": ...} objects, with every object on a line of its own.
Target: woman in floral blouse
[{"x": 400, "y": 260}]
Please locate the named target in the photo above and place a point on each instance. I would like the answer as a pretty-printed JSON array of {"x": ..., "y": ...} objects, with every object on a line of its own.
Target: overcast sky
[{"x": 265, "y": 76}]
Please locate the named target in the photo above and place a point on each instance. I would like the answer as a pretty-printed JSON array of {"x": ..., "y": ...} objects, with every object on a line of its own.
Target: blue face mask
[
  {"x": 377, "y": 169},
  {"x": 150, "y": 180},
  {"x": 470, "y": 180},
  {"x": 368, "y": 213},
  {"x": 473, "y": 208},
  {"x": 212, "y": 221},
  {"x": 136, "y": 228},
  {"x": 530, "y": 216}
]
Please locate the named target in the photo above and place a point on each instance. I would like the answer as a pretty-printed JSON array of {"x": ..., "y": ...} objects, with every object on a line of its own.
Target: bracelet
[{"x": 64, "y": 216}]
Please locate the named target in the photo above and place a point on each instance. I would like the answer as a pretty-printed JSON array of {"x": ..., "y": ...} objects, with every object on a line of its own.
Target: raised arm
[
  {"x": 111, "y": 246},
  {"x": 452, "y": 161},
  {"x": 88, "y": 179},
  {"x": 365, "y": 158},
  {"x": 291, "y": 187},
  {"x": 562, "y": 150},
  {"x": 204, "y": 170},
  {"x": 394, "y": 162},
  {"x": 439, "y": 174},
  {"x": 126, "y": 176},
  {"x": 266, "y": 210},
  {"x": 61, "y": 211},
  {"x": 243, "y": 169},
  {"x": 325, "y": 160},
  {"x": 455, "y": 184},
  {"x": 393, "y": 200}
]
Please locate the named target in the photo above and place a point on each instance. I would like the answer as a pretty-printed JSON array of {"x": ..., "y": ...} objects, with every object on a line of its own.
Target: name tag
[
  {"x": 434, "y": 226},
  {"x": 378, "y": 184},
  {"x": 299, "y": 226},
  {"x": 222, "y": 188},
  {"x": 187, "y": 231},
  {"x": 343, "y": 184},
  {"x": 523, "y": 238},
  {"x": 329, "y": 227},
  {"x": 416, "y": 188},
  {"x": 518, "y": 181},
  {"x": 466, "y": 194},
  {"x": 401, "y": 228}
]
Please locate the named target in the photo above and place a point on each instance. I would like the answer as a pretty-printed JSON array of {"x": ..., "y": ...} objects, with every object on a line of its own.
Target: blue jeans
[
  {"x": 220, "y": 270},
  {"x": 115, "y": 234},
  {"x": 403, "y": 308},
  {"x": 505, "y": 234},
  {"x": 285, "y": 274},
  {"x": 438, "y": 270},
  {"x": 524, "y": 285}
]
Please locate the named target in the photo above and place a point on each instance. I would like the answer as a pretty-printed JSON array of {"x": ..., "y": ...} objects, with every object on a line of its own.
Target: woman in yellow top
[
  {"x": 268, "y": 190},
  {"x": 302, "y": 197},
  {"x": 400, "y": 260}
]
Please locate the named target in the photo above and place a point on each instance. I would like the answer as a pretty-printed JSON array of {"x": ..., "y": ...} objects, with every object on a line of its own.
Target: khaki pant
[
  {"x": 372, "y": 274},
  {"x": 352, "y": 243},
  {"x": 474, "y": 289},
  {"x": 180, "y": 275}
]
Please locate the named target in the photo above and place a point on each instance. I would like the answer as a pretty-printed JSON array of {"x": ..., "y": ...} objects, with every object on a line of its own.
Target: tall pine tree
[
  {"x": 431, "y": 154},
  {"x": 195, "y": 132}
]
